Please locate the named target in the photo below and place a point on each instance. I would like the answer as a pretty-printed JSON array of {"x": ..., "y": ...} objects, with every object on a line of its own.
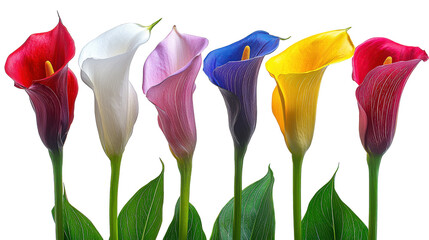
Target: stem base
[
  {"x": 373, "y": 167},
  {"x": 115, "y": 165},
  {"x": 185, "y": 185},
  {"x": 297, "y": 169},
  {"x": 238, "y": 186},
  {"x": 57, "y": 164}
]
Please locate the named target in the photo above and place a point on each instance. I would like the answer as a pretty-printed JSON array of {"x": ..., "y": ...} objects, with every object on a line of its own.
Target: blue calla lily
[
  {"x": 237, "y": 80},
  {"x": 234, "y": 69}
]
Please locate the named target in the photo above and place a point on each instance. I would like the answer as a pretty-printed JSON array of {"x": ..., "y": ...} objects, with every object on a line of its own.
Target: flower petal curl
[{"x": 373, "y": 52}]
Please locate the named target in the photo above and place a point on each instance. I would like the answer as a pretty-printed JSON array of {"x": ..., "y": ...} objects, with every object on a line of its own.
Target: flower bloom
[
  {"x": 234, "y": 69},
  {"x": 381, "y": 67},
  {"x": 169, "y": 75},
  {"x": 40, "y": 67},
  {"x": 298, "y": 72},
  {"x": 105, "y": 64}
]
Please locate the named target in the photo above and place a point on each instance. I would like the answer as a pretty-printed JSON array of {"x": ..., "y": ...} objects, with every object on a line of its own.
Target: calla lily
[
  {"x": 169, "y": 75},
  {"x": 234, "y": 69},
  {"x": 298, "y": 72},
  {"x": 40, "y": 67},
  {"x": 237, "y": 80},
  {"x": 105, "y": 64},
  {"x": 381, "y": 67}
]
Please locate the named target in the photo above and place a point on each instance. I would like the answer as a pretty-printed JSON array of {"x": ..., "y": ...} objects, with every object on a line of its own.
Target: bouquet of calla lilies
[{"x": 381, "y": 68}]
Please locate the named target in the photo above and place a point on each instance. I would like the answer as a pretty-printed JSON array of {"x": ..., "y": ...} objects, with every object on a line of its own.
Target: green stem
[
  {"x": 297, "y": 169},
  {"x": 57, "y": 164},
  {"x": 185, "y": 185},
  {"x": 115, "y": 164},
  {"x": 239, "y": 153},
  {"x": 373, "y": 167}
]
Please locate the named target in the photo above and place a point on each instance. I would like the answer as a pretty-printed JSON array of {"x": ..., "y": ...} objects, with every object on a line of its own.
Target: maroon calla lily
[
  {"x": 381, "y": 67},
  {"x": 52, "y": 86}
]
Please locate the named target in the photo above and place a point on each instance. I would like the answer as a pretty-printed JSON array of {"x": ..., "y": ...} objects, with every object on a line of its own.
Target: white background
[{"x": 26, "y": 180}]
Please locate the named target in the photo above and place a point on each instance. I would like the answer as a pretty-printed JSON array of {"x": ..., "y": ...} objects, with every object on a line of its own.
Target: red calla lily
[
  {"x": 381, "y": 67},
  {"x": 51, "y": 94}
]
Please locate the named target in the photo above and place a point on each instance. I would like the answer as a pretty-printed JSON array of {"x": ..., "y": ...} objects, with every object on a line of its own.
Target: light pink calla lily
[{"x": 169, "y": 75}]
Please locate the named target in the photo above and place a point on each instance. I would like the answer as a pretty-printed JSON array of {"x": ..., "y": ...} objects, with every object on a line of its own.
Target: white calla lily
[{"x": 105, "y": 64}]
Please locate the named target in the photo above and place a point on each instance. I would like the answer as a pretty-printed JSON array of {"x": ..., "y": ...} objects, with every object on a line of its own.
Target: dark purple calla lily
[{"x": 237, "y": 80}]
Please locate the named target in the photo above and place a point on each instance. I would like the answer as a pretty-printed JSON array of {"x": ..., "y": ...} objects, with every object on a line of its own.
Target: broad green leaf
[
  {"x": 329, "y": 218},
  {"x": 257, "y": 213},
  {"x": 141, "y": 217},
  {"x": 195, "y": 228},
  {"x": 76, "y": 225}
]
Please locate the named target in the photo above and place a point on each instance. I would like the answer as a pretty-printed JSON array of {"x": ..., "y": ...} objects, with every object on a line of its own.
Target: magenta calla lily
[
  {"x": 169, "y": 75},
  {"x": 381, "y": 67}
]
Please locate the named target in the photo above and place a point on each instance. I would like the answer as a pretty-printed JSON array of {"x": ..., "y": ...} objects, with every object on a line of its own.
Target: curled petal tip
[
  {"x": 153, "y": 24},
  {"x": 347, "y": 29},
  {"x": 425, "y": 56},
  {"x": 284, "y": 38}
]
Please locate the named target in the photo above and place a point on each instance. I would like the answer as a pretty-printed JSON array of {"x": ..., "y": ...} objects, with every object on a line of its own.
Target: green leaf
[
  {"x": 195, "y": 228},
  {"x": 257, "y": 213},
  {"x": 141, "y": 217},
  {"x": 329, "y": 218},
  {"x": 76, "y": 225}
]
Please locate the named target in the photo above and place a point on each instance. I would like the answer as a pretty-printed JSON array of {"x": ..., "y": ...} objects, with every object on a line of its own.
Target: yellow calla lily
[{"x": 298, "y": 72}]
